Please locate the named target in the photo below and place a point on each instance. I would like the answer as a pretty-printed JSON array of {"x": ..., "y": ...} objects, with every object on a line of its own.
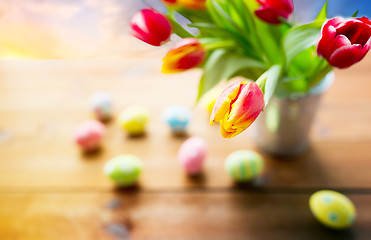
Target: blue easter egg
[{"x": 177, "y": 117}]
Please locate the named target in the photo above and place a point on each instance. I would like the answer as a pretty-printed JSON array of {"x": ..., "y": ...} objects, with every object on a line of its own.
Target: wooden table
[{"x": 49, "y": 190}]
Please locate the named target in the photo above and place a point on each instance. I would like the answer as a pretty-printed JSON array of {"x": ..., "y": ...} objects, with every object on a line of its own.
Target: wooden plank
[
  {"x": 197, "y": 215},
  {"x": 42, "y": 162}
]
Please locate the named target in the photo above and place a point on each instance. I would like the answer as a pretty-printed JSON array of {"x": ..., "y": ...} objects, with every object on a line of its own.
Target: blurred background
[{"x": 49, "y": 29}]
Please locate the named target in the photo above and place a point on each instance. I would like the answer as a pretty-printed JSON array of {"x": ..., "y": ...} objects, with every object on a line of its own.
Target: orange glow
[{"x": 53, "y": 29}]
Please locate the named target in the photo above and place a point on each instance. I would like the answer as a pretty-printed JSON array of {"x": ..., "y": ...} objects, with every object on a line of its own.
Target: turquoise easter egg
[
  {"x": 244, "y": 165},
  {"x": 332, "y": 209},
  {"x": 124, "y": 170},
  {"x": 177, "y": 117}
]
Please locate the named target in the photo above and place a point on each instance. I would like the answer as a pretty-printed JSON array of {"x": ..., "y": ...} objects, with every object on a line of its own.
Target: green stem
[
  {"x": 320, "y": 75},
  {"x": 219, "y": 44},
  {"x": 285, "y": 21}
]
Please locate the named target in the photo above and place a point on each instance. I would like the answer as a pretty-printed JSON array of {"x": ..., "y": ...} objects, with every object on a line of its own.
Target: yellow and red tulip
[
  {"x": 151, "y": 27},
  {"x": 189, "y": 53},
  {"x": 344, "y": 42},
  {"x": 193, "y": 4},
  {"x": 237, "y": 108},
  {"x": 190, "y": 4}
]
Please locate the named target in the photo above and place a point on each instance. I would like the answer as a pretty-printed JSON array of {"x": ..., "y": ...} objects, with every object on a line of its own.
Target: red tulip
[
  {"x": 344, "y": 42},
  {"x": 151, "y": 27},
  {"x": 237, "y": 108},
  {"x": 169, "y": 1},
  {"x": 189, "y": 53},
  {"x": 271, "y": 10}
]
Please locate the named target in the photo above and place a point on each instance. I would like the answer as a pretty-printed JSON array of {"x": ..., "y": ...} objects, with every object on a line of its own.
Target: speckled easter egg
[
  {"x": 134, "y": 120},
  {"x": 244, "y": 165},
  {"x": 332, "y": 209},
  {"x": 177, "y": 117},
  {"x": 101, "y": 106},
  {"x": 89, "y": 134},
  {"x": 124, "y": 170},
  {"x": 191, "y": 155}
]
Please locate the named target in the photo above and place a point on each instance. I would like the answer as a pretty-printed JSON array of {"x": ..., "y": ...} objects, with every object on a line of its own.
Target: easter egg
[
  {"x": 124, "y": 170},
  {"x": 332, "y": 209},
  {"x": 101, "y": 106},
  {"x": 244, "y": 165},
  {"x": 191, "y": 155},
  {"x": 177, "y": 117},
  {"x": 89, "y": 134},
  {"x": 134, "y": 120}
]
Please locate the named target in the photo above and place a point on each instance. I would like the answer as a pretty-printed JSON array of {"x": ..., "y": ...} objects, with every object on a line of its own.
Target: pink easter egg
[
  {"x": 89, "y": 134},
  {"x": 191, "y": 155}
]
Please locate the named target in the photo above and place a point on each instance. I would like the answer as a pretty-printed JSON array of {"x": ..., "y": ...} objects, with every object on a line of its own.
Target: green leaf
[
  {"x": 300, "y": 38},
  {"x": 211, "y": 30},
  {"x": 355, "y": 14},
  {"x": 269, "y": 80},
  {"x": 245, "y": 15},
  {"x": 219, "y": 15},
  {"x": 177, "y": 28},
  {"x": 217, "y": 43},
  {"x": 222, "y": 65},
  {"x": 322, "y": 15}
]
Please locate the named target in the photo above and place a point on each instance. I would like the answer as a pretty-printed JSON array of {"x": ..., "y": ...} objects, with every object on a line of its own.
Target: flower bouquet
[{"x": 256, "y": 40}]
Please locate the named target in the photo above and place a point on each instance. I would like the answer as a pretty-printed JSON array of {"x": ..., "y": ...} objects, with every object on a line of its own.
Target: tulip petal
[
  {"x": 365, "y": 20},
  {"x": 356, "y": 31},
  {"x": 348, "y": 55},
  {"x": 268, "y": 14},
  {"x": 338, "y": 42},
  {"x": 223, "y": 103},
  {"x": 327, "y": 35}
]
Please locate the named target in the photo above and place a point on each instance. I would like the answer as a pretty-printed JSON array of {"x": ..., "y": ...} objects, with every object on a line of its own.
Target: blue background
[{"x": 306, "y": 10}]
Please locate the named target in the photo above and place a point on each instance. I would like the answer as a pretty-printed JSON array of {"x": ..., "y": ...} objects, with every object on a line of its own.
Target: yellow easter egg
[
  {"x": 332, "y": 209},
  {"x": 134, "y": 120}
]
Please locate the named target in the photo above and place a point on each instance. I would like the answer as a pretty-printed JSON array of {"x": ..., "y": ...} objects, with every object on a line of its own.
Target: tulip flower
[
  {"x": 237, "y": 108},
  {"x": 344, "y": 42},
  {"x": 193, "y": 4},
  {"x": 151, "y": 27},
  {"x": 271, "y": 10},
  {"x": 189, "y": 53},
  {"x": 190, "y": 4},
  {"x": 169, "y": 1}
]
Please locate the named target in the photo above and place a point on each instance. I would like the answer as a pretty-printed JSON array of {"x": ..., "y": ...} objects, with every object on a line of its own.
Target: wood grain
[
  {"x": 212, "y": 215},
  {"x": 40, "y": 163}
]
